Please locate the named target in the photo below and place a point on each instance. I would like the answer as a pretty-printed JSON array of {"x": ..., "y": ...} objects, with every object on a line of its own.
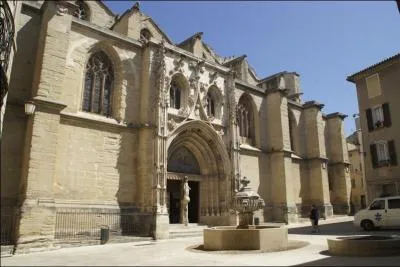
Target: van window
[
  {"x": 394, "y": 203},
  {"x": 377, "y": 205}
]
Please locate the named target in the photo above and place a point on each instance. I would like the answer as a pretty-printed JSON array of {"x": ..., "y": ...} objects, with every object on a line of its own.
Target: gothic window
[
  {"x": 99, "y": 79},
  {"x": 175, "y": 95},
  {"x": 82, "y": 11},
  {"x": 293, "y": 132},
  {"x": 145, "y": 34},
  {"x": 210, "y": 105},
  {"x": 245, "y": 118}
]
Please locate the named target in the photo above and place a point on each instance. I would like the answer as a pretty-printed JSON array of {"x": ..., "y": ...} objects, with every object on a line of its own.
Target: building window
[
  {"x": 175, "y": 95},
  {"x": 99, "y": 78},
  {"x": 145, "y": 34},
  {"x": 378, "y": 117},
  {"x": 82, "y": 11},
  {"x": 383, "y": 153},
  {"x": 373, "y": 85},
  {"x": 353, "y": 183},
  {"x": 210, "y": 105}
]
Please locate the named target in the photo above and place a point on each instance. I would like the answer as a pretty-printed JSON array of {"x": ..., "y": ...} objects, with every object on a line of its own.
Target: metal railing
[
  {"x": 86, "y": 224},
  {"x": 8, "y": 224},
  {"x": 7, "y": 31}
]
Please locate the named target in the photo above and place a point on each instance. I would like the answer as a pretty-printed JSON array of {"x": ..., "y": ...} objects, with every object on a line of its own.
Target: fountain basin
[
  {"x": 364, "y": 246},
  {"x": 262, "y": 238}
]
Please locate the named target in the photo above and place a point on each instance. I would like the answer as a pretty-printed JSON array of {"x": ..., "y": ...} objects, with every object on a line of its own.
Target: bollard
[
  {"x": 104, "y": 235},
  {"x": 256, "y": 221}
]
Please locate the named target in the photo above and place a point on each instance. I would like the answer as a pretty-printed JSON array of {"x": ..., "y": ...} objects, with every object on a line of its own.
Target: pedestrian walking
[{"x": 314, "y": 217}]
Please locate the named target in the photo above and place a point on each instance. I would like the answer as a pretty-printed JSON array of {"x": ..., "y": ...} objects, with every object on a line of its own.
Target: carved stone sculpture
[{"x": 185, "y": 202}]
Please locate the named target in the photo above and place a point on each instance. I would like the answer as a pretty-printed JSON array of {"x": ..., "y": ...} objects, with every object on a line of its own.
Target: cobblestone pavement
[{"x": 178, "y": 252}]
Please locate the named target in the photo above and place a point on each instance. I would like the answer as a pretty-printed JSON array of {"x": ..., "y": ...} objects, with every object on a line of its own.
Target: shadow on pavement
[
  {"x": 341, "y": 228},
  {"x": 352, "y": 261}
]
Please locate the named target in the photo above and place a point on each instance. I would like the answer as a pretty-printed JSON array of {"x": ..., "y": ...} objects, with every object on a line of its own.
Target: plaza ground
[{"x": 179, "y": 252}]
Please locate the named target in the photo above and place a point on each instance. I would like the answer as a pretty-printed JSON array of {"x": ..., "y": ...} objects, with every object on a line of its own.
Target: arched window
[
  {"x": 99, "y": 79},
  {"x": 82, "y": 11},
  {"x": 175, "y": 95},
  {"x": 210, "y": 105},
  {"x": 145, "y": 34},
  {"x": 245, "y": 119},
  {"x": 293, "y": 132}
]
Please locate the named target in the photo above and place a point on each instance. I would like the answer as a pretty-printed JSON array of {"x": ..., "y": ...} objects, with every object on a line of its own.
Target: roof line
[
  {"x": 196, "y": 35},
  {"x": 387, "y": 60}
]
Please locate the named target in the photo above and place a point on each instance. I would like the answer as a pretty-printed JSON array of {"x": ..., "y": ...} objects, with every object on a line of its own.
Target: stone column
[
  {"x": 338, "y": 166},
  {"x": 281, "y": 206},
  {"x": 38, "y": 215},
  {"x": 234, "y": 148},
  {"x": 317, "y": 178},
  {"x": 160, "y": 211},
  {"x": 147, "y": 187}
]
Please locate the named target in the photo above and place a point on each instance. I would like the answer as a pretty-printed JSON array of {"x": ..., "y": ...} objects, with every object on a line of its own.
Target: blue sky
[{"x": 322, "y": 41}]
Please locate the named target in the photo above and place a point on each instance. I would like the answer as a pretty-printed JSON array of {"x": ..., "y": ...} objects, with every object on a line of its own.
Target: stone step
[
  {"x": 192, "y": 230},
  {"x": 7, "y": 251},
  {"x": 128, "y": 239}
]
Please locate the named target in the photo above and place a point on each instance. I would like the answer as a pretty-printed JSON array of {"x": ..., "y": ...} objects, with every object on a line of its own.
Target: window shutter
[
  {"x": 386, "y": 115},
  {"x": 374, "y": 158},
  {"x": 392, "y": 153},
  {"x": 369, "y": 120}
]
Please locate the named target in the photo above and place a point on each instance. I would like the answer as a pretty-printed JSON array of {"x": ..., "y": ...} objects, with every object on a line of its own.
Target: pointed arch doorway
[
  {"x": 195, "y": 150},
  {"x": 182, "y": 163}
]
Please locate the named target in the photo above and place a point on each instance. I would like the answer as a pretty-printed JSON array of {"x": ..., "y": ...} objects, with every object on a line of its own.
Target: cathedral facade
[{"x": 122, "y": 115}]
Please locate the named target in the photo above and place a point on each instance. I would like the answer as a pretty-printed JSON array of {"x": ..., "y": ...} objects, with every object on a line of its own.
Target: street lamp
[{"x": 29, "y": 108}]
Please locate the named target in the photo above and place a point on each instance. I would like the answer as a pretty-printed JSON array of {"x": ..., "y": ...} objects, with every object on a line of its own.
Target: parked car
[{"x": 381, "y": 213}]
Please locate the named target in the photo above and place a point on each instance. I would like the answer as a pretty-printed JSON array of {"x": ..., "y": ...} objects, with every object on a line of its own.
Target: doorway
[
  {"x": 174, "y": 201},
  {"x": 194, "y": 203}
]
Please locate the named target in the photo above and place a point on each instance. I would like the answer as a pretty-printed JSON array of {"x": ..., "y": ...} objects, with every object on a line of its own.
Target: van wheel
[{"x": 368, "y": 225}]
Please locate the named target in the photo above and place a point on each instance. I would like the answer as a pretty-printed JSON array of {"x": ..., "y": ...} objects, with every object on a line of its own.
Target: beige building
[
  {"x": 378, "y": 93},
  {"x": 123, "y": 114},
  {"x": 357, "y": 167}
]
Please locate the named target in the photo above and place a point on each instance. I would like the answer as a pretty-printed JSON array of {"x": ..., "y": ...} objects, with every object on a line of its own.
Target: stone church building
[{"x": 122, "y": 114}]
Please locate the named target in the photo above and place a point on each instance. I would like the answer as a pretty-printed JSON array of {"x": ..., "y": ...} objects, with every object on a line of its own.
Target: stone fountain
[{"x": 246, "y": 235}]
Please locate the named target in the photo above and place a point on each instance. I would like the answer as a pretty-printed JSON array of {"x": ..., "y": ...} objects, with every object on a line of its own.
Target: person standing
[{"x": 314, "y": 217}]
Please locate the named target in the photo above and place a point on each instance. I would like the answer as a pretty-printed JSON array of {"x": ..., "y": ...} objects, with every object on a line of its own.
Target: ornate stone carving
[
  {"x": 178, "y": 63},
  {"x": 191, "y": 100},
  {"x": 183, "y": 111},
  {"x": 213, "y": 76},
  {"x": 61, "y": 8},
  {"x": 203, "y": 87},
  {"x": 221, "y": 132},
  {"x": 171, "y": 124}
]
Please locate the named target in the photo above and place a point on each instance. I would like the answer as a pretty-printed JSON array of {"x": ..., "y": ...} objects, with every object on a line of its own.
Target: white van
[{"x": 382, "y": 212}]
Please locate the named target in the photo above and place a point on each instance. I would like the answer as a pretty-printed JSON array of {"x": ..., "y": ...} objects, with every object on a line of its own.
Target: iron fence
[
  {"x": 87, "y": 223},
  {"x": 8, "y": 224}
]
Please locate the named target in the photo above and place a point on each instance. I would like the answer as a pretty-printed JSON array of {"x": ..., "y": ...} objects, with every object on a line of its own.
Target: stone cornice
[
  {"x": 78, "y": 23},
  {"x": 48, "y": 103},
  {"x": 283, "y": 91},
  {"x": 312, "y": 104},
  {"x": 293, "y": 103},
  {"x": 249, "y": 86},
  {"x": 99, "y": 120},
  {"x": 339, "y": 162},
  {"x": 183, "y": 52},
  {"x": 335, "y": 115}
]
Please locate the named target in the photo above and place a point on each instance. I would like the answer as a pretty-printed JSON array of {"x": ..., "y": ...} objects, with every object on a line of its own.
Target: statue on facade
[{"x": 185, "y": 201}]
